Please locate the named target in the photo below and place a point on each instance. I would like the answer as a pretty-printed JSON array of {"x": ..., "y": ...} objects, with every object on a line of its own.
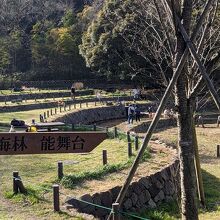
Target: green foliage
[
  {"x": 34, "y": 195},
  {"x": 68, "y": 19},
  {"x": 166, "y": 211},
  {"x": 44, "y": 44},
  {"x": 103, "y": 45},
  {"x": 4, "y": 55},
  {"x": 70, "y": 181}
]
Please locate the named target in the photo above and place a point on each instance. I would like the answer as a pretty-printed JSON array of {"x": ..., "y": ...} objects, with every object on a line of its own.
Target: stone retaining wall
[
  {"x": 163, "y": 123},
  {"x": 53, "y": 104},
  {"x": 32, "y": 96},
  {"x": 88, "y": 116},
  {"x": 147, "y": 192}
]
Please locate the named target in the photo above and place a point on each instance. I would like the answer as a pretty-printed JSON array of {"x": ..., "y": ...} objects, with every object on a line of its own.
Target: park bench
[
  {"x": 48, "y": 129},
  {"x": 48, "y": 126}
]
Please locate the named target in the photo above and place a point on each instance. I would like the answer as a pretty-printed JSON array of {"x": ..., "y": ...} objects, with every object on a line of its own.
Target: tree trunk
[
  {"x": 186, "y": 156},
  {"x": 185, "y": 117}
]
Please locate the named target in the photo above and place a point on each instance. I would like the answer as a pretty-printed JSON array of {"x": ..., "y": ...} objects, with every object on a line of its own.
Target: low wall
[
  {"x": 53, "y": 104},
  {"x": 32, "y": 96},
  {"x": 88, "y": 116},
  {"x": 163, "y": 123},
  {"x": 147, "y": 192}
]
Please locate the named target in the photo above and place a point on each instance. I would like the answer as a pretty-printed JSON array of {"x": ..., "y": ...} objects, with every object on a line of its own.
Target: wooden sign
[{"x": 49, "y": 142}]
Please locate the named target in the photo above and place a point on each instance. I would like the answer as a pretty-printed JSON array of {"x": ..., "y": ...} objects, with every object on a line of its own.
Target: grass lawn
[{"x": 39, "y": 172}]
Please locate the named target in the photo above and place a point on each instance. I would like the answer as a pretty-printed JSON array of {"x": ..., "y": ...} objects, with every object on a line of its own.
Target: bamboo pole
[{"x": 198, "y": 166}]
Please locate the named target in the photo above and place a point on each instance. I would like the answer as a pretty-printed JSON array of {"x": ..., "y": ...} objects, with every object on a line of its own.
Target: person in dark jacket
[{"x": 137, "y": 112}]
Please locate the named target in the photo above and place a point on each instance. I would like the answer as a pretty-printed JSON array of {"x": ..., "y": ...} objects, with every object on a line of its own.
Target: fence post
[
  {"x": 69, "y": 107},
  {"x": 51, "y": 111},
  {"x": 56, "y": 198},
  {"x": 115, "y": 132},
  {"x": 48, "y": 113},
  {"x": 95, "y": 103},
  {"x": 218, "y": 121},
  {"x": 15, "y": 186},
  {"x": 74, "y": 105},
  {"x": 45, "y": 115},
  {"x": 106, "y": 130},
  {"x": 104, "y": 157},
  {"x": 64, "y": 108},
  {"x": 73, "y": 127},
  {"x": 60, "y": 169},
  {"x": 128, "y": 136},
  {"x": 129, "y": 149},
  {"x": 136, "y": 142},
  {"x": 87, "y": 104},
  {"x": 218, "y": 150},
  {"x": 60, "y": 109},
  {"x": 80, "y": 105},
  {"x": 94, "y": 127},
  {"x": 115, "y": 209},
  {"x": 55, "y": 111}
]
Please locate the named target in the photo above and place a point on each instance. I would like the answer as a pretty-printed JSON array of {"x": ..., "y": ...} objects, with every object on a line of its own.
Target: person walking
[
  {"x": 130, "y": 114},
  {"x": 73, "y": 91},
  {"x": 137, "y": 113}
]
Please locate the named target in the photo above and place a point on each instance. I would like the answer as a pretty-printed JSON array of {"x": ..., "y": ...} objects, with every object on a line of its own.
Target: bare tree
[{"x": 157, "y": 35}]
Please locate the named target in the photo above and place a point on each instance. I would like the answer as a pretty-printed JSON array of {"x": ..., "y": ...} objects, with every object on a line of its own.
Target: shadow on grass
[
  {"x": 212, "y": 191},
  {"x": 207, "y": 159},
  {"x": 32, "y": 196}
]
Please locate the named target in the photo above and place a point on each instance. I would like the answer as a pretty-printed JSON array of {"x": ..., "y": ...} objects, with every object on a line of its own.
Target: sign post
[{"x": 49, "y": 142}]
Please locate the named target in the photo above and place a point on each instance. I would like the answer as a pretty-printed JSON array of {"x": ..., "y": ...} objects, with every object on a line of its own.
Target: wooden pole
[
  {"x": 56, "y": 198},
  {"x": 69, "y": 107},
  {"x": 87, "y": 104},
  {"x": 48, "y": 113},
  {"x": 60, "y": 109},
  {"x": 129, "y": 149},
  {"x": 104, "y": 157},
  {"x": 160, "y": 109},
  {"x": 201, "y": 191},
  {"x": 15, "y": 186},
  {"x": 115, "y": 209},
  {"x": 55, "y": 111},
  {"x": 80, "y": 104},
  {"x": 115, "y": 132},
  {"x": 51, "y": 111},
  {"x": 218, "y": 150},
  {"x": 128, "y": 136},
  {"x": 60, "y": 170},
  {"x": 94, "y": 127},
  {"x": 45, "y": 115},
  {"x": 20, "y": 185},
  {"x": 136, "y": 142}
]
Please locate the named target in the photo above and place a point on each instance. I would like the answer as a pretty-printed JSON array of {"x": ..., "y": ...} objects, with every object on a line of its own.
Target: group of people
[{"x": 133, "y": 112}]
